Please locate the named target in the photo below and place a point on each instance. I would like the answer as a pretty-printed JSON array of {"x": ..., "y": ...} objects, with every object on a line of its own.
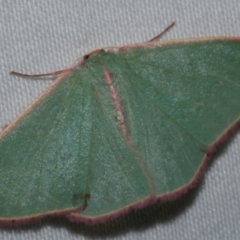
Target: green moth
[{"x": 124, "y": 128}]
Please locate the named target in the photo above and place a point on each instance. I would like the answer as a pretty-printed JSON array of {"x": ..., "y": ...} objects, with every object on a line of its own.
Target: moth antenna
[
  {"x": 162, "y": 33},
  {"x": 52, "y": 74}
]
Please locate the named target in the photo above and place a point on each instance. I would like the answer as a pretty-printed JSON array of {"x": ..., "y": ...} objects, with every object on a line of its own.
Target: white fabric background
[{"x": 38, "y": 36}]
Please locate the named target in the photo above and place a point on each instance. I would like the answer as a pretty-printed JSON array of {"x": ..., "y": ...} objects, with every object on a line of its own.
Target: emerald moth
[{"x": 124, "y": 128}]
